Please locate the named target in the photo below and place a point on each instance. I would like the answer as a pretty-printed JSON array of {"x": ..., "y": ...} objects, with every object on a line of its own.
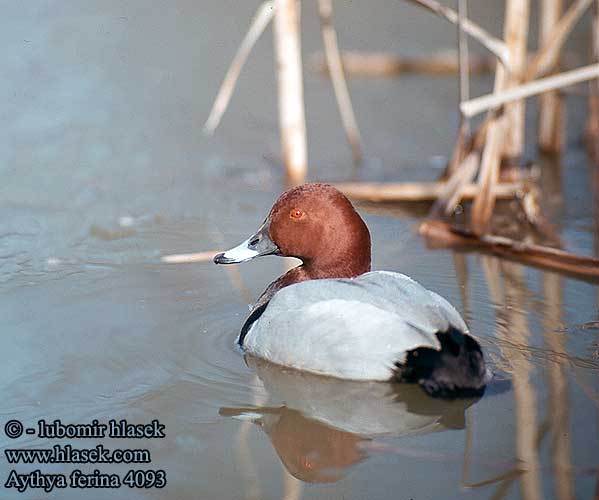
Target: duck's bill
[{"x": 255, "y": 246}]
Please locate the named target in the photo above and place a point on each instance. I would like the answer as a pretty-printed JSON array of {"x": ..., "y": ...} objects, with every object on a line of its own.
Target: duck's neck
[
  {"x": 309, "y": 271},
  {"x": 306, "y": 272},
  {"x": 337, "y": 269}
]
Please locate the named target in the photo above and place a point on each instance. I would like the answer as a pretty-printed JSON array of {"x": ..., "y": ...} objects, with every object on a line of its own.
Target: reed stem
[
  {"x": 261, "y": 19},
  {"x": 333, "y": 59},
  {"x": 292, "y": 121},
  {"x": 516, "y": 37},
  {"x": 550, "y": 108}
]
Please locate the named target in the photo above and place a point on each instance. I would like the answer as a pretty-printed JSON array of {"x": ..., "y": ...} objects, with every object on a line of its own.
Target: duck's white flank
[{"x": 351, "y": 328}]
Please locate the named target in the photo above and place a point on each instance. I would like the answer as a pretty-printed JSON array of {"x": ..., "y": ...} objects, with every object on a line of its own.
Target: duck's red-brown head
[{"x": 315, "y": 223}]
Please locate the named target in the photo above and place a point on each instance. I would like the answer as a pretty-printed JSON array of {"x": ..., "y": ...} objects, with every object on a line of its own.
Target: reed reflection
[
  {"x": 521, "y": 369},
  {"x": 512, "y": 298},
  {"x": 508, "y": 292},
  {"x": 558, "y": 388},
  {"x": 555, "y": 339}
]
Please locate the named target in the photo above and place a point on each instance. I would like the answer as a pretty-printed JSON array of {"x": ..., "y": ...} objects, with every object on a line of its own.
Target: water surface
[{"x": 105, "y": 170}]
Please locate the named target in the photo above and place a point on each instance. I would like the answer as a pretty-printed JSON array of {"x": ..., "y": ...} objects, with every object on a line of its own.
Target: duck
[{"x": 333, "y": 316}]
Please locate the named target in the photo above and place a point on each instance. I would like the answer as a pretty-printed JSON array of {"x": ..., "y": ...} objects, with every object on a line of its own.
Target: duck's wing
[
  {"x": 422, "y": 308},
  {"x": 350, "y": 328}
]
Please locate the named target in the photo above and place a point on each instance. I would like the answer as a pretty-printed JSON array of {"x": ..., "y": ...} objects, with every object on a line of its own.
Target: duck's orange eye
[{"x": 297, "y": 214}]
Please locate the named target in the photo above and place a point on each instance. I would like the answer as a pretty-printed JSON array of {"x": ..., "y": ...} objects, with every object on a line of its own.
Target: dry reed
[
  {"x": 292, "y": 122},
  {"x": 335, "y": 69},
  {"x": 261, "y": 19},
  {"x": 550, "y": 108}
]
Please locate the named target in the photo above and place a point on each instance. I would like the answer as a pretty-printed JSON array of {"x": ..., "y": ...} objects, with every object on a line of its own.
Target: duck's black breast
[
  {"x": 289, "y": 278},
  {"x": 254, "y": 315}
]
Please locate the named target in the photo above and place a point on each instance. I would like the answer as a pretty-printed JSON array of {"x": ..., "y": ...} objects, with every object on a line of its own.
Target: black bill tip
[{"x": 220, "y": 258}]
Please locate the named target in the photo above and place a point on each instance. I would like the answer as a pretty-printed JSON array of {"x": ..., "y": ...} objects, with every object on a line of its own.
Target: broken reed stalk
[
  {"x": 586, "y": 268},
  {"x": 292, "y": 122},
  {"x": 516, "y": 37},
  {"x": 484, "y": 201},
  {"x": 335, "y": 68},
  {"x": 497, "y": 99},
  {"x": 592, "y": 126},
  {"x": 416, "y": 191},
  {"x": 550, "y": 108},
  {"x": 554, "y": 32},
  {"x": 261, "y": 19},
  {"x": 543, "y": 61},
  {"x": 463, "y": 52},
  {"x": 187, "y": 258},
  {"x": 453, "y": 190},
  {"x": 505, "y": 131},
  {"x": 459, "y": 149},
  {"x": 457, "y": 155},
  {"x": 496, "y": 46},
  {"x": 466, "y": 158}
]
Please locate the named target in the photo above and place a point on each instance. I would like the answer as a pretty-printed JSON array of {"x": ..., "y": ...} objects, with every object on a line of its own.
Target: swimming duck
[{"x": 333, "y": 316}]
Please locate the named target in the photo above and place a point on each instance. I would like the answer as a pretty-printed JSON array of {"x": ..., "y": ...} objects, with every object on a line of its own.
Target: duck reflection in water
[{"x": 326, "y": 425}]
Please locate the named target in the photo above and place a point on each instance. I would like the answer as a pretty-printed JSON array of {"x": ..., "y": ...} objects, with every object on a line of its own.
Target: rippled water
[{"x": 105, "y": 170}]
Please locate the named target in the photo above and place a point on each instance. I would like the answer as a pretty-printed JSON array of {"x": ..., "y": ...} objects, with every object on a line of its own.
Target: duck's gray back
[{"x": 351, "y": 328}]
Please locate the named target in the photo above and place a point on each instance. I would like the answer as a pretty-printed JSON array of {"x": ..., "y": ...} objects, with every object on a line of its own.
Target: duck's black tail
[{"x": 456, "y": 370}]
